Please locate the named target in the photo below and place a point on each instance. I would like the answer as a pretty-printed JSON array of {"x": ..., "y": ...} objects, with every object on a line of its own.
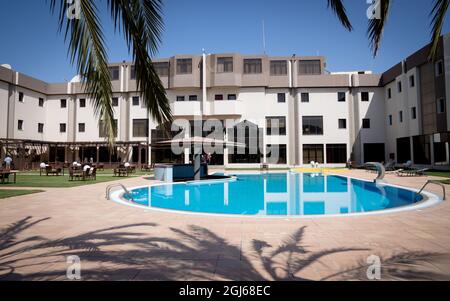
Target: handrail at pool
[
  {"x": 437, "y": 183},
  {"x": 109, "y": 187},
  {"x": 380, "y": 169}
]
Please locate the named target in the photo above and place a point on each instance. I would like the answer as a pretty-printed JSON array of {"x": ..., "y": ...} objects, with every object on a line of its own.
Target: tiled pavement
[{"x": 115, "y": 242}]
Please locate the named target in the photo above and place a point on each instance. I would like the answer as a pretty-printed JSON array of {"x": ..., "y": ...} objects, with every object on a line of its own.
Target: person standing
[{"x": 8, "y": 160}]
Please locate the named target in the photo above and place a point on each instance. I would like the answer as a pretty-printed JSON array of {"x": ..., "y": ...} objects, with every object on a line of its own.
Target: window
[
  {"x": 193, "y": 98},
  {"x": 441, "y": 105},
  {"x": 63, "y": 103},
  {"x": 140, "y": 127},
  {"x": 400, "y": 116},
  {"x": 439, "y": 68},
  {"x": 278, "y": 68},
  {"x": 312, "y": 152},
  {"x": 135, "y": 100},
  {"x": 41, "y": 102},
  {"x": 20, "y": 125},
  {"x": 399, "y": 87},
  {"x": 389, "y": 93},
  {"x": 305, "y": 97},
  {"x": 341, "y": 96},
  {"x": 114, "y": 73},
  {"x": 252, "y": 66},
  {"x": 312, "y": 125},
  {"x": 231, "y": 97},
  {"x": 20, "y": 96},
  {"x": 390, "y": 119},
  {"x": 40, "y": 127},
  {"x": 218, "y": 97},
  {"x": 115, "y": 101},
  {"x": 162, "y": 68},
  {"x": 336, "y": 153},
  {"x": 413, "y": 113},
  {"x": 366, "y": 123},
  {"x": 62, "y": 127},
  {"x": 364, "y": 96},
  {"x": 342, "y": 123},
  {"x": 412, "y": 81},
  {"x": 180, "y": 98},
  {"x": 184, "y": 66},
  {"x": 132, "y": 72},
  {"x": 281, "y": 97},
  {"x": 276, "y": 126},
  {"x": 82, "y": 102},
  {"x": 309, "y": 67},
  {"x": 224, "y": 64},
  {"x": 102, "y": 131},
  {"x": 276, "y": 154},
  {"x": 81, "y": 127}
]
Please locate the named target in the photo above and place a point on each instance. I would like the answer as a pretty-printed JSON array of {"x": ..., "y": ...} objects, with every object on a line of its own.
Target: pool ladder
[
  {"x": 109, "y": 187},
  {"x": 437, "y": 183}
]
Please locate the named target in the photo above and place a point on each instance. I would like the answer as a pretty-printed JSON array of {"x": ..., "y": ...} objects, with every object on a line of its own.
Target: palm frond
[
  {"x": 141, "y": 23},
  {"x": 438, "y": 13},
  {"x": 87, "y": 50},
  {"x": 376, "y": 26},
  {"x": 340, "y": 11}
]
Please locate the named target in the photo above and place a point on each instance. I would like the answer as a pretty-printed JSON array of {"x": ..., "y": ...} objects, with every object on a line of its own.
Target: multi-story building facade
[{"x": 291, "y": 102}]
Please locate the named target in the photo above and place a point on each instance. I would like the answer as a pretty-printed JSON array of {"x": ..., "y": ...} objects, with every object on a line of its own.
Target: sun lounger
[{"x": 411, "y": 172}]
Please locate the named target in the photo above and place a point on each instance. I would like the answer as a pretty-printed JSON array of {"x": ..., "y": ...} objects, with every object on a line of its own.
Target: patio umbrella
[{"x": 198, "y": 142}]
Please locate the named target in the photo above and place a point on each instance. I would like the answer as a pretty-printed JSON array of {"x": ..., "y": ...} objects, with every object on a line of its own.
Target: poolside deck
[{"x": 116, "y": 242}]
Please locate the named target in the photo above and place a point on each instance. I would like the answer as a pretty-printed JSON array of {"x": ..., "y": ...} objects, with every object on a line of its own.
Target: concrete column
[
  {"x": 411, "y": 149},
  {"x": 186, "y": 155}
]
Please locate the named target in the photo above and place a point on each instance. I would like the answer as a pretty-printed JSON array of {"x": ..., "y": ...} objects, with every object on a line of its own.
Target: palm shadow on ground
[{"x": 134, "y": 252}]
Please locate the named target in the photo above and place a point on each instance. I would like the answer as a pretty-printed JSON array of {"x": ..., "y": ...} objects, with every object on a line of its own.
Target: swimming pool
[{"x": 279, "y": 194}]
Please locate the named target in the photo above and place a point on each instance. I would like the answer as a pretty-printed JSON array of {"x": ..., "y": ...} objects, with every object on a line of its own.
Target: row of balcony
[{"x": 215, "y": 108}]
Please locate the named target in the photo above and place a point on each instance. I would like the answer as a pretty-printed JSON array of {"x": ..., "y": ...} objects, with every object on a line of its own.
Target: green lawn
[
  {"x": 33, "y": 179},
  {"x": 7, "y": 193},
  {"x": 437, "y": 173}
]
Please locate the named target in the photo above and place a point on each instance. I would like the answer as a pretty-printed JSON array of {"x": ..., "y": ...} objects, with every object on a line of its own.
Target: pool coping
[{"x": 429, "y": 200}]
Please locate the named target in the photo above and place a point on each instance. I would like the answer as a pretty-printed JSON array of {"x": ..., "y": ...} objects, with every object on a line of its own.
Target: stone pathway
[{"x": 116, "y": 242}]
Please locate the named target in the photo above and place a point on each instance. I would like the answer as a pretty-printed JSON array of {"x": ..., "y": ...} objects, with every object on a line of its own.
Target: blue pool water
[{"x": 290, "y": 194}]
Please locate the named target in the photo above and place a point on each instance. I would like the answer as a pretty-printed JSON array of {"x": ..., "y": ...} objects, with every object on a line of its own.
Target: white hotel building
[{"x": 325, "y": 117}]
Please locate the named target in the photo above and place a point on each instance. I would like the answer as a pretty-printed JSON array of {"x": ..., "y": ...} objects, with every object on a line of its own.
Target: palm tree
[
  {"x": 141, "y": 24},
  {"x": 376, "y": 26}
]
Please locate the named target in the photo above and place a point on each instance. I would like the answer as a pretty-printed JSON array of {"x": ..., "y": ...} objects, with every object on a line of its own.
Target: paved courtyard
[{"x": 115, "y": 242}]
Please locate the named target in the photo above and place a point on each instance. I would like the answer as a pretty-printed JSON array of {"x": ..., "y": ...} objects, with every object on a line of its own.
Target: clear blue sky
[{"x": 32, "y": 44}]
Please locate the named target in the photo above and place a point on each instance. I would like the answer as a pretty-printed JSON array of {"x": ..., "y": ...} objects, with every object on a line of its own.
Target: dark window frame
[
  {"x": 63, "y": 103},
  {"x": 114, "y": 73},
  {"x": 40, "y": 128},
  {"x": 252, "y": 66},
  {"x": 115, "y": 101},
  {"x": 342, "y": 97},
  {"x": 81, "y": 127},
  {"x": 218, "y": 97},
  {"x": 180, "y": 98},
  {"x": 20, "y": 125},
  {"x": 41, "y": 102},
  {"x": 366, "y": 123},
  {"x": 413, "y": 113},
  {"x": 281, "y": 125},
  {"x": 344, "y": 125},
  {"x": 225, "y": 64},
  {"x": 278, "y": 68},
  {"x": 311, "y": 129},
  {"x": 140, "y": 128},
  {"x": 281, "y": 97},
  {"x": 309, "y": 67},
  {"x": 82, "y": 102},
  {"x": 184, "y": 66},
  {"x": 365, "y": 96},
  {"x": 304, "y": 97},
  {"x": 136, "y": 101},
  {"x": 231, "y": 97},
  {"x": 62, "y": 127},
  {"x": 193, "y": 98}
]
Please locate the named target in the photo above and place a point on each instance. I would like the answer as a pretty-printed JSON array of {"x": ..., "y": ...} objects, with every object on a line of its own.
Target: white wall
[
  {"x": 3, "y": 109},
  {"x": 31, "y": 114}
]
